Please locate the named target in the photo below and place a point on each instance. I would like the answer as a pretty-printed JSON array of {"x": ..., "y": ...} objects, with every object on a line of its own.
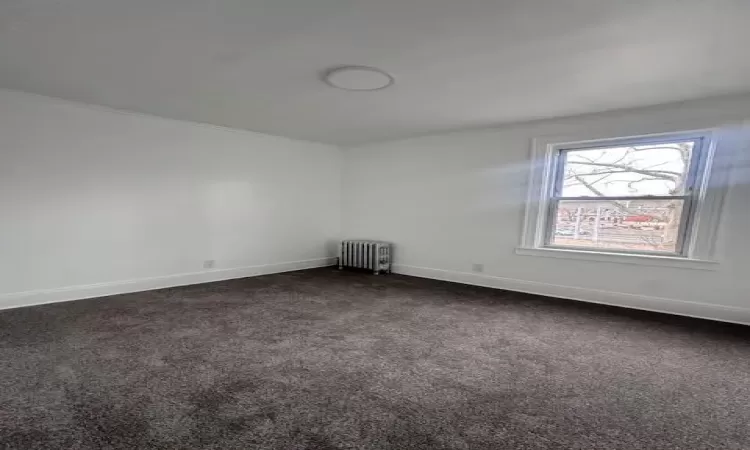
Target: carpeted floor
[{"x": 322, "y": 359}]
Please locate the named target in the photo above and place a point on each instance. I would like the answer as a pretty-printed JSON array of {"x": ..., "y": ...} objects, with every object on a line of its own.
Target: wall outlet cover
[
  {"x": 477, "y": 268},
  {"x": 209, "y": 264}
]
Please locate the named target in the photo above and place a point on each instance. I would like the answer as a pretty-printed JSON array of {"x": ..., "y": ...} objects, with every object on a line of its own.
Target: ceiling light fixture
[{"x": 358, "y": 78}]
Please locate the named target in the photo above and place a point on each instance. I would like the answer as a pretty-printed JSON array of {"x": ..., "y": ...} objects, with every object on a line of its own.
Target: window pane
[
  {"x": 654, "y": 169},
  {"x": 632, "y": 225}
]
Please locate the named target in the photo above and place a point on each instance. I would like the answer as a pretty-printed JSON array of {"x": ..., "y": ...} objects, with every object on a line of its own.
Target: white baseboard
[
  {"x": 647, "y": 303},
  {"x": 42, "y": 296}
]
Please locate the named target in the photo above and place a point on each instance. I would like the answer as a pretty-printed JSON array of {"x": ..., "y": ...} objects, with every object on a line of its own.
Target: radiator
[{"x": 372, "y": 255}]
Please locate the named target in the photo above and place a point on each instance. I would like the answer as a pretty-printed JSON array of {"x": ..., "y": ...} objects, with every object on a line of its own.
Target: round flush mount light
[{"x": 358, "y": 78}]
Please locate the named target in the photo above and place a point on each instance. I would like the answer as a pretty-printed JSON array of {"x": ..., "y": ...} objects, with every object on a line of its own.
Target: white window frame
[{"x": 703, "y": 207}]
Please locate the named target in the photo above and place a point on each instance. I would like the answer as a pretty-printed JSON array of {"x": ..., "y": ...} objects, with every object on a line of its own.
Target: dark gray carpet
[{"x": 322, "y": 359}]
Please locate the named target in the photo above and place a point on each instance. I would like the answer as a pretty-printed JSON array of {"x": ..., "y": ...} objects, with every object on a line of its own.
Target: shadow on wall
[{"x": 332, "y": 247}]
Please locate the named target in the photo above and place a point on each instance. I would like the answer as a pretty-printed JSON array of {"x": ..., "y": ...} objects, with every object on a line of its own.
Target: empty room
[{"x": 386, "y": 225}]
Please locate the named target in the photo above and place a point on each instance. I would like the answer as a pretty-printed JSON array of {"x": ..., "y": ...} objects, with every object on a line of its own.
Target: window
[{"x": 629, "y": 197}]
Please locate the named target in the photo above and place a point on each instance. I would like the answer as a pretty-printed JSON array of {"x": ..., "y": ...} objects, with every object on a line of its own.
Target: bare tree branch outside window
[{"x": 636, "y": 171}]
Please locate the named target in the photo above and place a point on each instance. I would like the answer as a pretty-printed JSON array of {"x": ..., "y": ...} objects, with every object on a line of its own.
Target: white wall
[
  {"x": 95, "y": 201},
  {"x": 451, "y": 200}
]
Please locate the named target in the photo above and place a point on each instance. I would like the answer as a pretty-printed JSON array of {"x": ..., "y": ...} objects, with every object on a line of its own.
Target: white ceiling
[{"x": 256, "y": 64}]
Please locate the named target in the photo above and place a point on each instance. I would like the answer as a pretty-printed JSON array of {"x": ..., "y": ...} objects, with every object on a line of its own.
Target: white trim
[
  {"x": 721, "y": 313},
  {"x": 622, "y": 258},
  {"x": 64, "y": 294},
  {"x": 725, "y": 143},
  {"x": 715, "y": 170}
]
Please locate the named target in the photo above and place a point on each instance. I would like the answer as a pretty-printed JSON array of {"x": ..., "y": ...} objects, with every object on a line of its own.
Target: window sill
[{"x": 621, "y": 258}]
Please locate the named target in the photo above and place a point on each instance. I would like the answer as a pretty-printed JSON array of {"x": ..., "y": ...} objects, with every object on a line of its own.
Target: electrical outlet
[
  {"x": 477, "y": 268},
  {"x": 209, "y": 264}
]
